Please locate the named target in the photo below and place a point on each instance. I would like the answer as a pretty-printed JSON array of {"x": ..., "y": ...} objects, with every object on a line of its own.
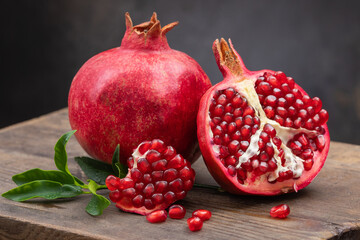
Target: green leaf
[
  {"x": 43, "y": 189},
  {"x": 60, "y": 156},
  {"x": 97, "y": 205},
  {"x": 38, "y": 174},
  {"x": 94, "y": 169},
  {"x": 115, "y": 161}
]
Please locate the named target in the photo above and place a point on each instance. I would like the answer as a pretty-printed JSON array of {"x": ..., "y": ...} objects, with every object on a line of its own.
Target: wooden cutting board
[{"x": 329, "y": 208}]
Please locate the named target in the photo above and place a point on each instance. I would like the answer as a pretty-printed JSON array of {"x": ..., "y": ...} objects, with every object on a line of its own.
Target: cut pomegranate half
[
  {"x": 260, "y": 132},
  {"x": 157, "y": 177}
]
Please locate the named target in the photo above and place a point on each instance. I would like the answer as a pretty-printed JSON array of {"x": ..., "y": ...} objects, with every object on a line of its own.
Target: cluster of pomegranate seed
[
  {"x": 234, "y": 122},
  {"x": 287, "y": 105},
  {"x": 280, "y": 211},
  {"x": 158, "y": 176},
  {"x": 195, "y": 222}
]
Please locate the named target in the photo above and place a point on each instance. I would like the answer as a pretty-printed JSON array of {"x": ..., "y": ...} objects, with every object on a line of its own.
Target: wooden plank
[{"x": 328, "y": 208}]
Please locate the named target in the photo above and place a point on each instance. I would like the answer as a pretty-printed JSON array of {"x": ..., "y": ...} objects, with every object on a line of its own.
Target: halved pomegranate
[
  {"x": 157, "y": 177},
  {"x": 260, "y": 132}
]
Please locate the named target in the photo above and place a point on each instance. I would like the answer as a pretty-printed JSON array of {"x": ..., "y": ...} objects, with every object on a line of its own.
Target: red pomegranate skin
[
  {"x": 234, "y": 73},
  {"x": 140, "y": 90}
]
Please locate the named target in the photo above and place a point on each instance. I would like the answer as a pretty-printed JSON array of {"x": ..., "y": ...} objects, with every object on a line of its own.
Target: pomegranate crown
[
  {"x": 228, "y": 60},
  {"x": 147, "y": 35}
]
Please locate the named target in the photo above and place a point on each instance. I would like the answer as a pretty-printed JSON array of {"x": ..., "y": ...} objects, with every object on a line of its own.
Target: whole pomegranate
[
  {"x": 260, "y": 132},
  {"x": 157, "y": 177},
  {"x": 140, "y": 90}
]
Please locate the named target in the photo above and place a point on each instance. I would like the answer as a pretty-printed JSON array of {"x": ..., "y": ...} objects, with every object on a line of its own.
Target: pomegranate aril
[
  {"x": 143, "y": 165},
  {"x": 222, "y": 99},
  {"x": 157, "y": 216},
  {"x": 237, "y": 101},
  {"x": 280, "y": 76},
  {"x": 297, "y": 94},
  {"x": 159, "y": 165},
  {"x": 273, "y": 81},
  {"x": 279, "y": 119},
  {"x": 317, "y": 104},
  {"x": 264, "y": 88},
  {"x": 324, "y": 116},
  {"x": 248, "y": 111},
  {"x": 177, "y": 162},
  {"x": 291, "y": 112},
  {"x": 144, "y": 146},
  {"x": 277, "y": 92},
  {"x": 158, "y": 145},
  {"x": 231, "y": 170},
  {"x": 127, "y": 182},
  {"x": 137, "y": 201},
  {"x": 217, "y": 140},
  {"x": 245, "y": 131},
  {"x": 170, "y": 174},
  {"x": 247, "y": 166},
  {"x": 161, "y": 186},
  {"x": 263, "y": 156},
  {"x": 277, "y": 141},
  {"x": 306, "y": 100},
  {"x": 228, "y": 117},
  {"x": 115, "y": 196},
  {"x": 149, "y": 190},
  {"x": 280, "y": 211},
  {"x": 303, "y": 114},
  {"x": 218, "y": 110},
  {"x": 263, "y": 167},
  {"x": 265, "y": 137},
  {"x": 147, "y": 178},
  {"x": 269, "y": 111},
  {"x": 157, "y": 198},
  {"x": 298, "y": 122},
  {"x": 291, "y": 82},
  {"x": 112, "y": 182},
  {"x": 232, "y": 127},
  {"x": 308, "y": 163},
  {"x": 241, "y": 174},
  {"x": 136, "y": 175},
  {"x": 176, "y": 185},
  {"x": 148, "y": 204},
  {"x": 272, "y": 165},
  {"x": 226, "y": 139},
  {"x": 130, "y": 162},
  {"x": 229, "y": 108},
  {"x": 195, "y": 224},
  {"x": 169, "y": 197},
  {"x": 320, "y": 142},
  {"x": 282, "y": 102},
  {"x": 310, "y": 110},
  {"x": 307, "y": 154},
  {"x": 177, "y": 212},
  {"x": 288, "y": 122},
  {"x": 139, "y": 187},
  {"x": 290, "y": 98},
  {"x": 285, "y": 88},
  {"x": 156, "y": 175},
  {"x": 152, "y": 156},
  {"x": 303, "y": 140},
  {"x": 309, "y": 124},
  {"x": 270, "y": 130},
  {"x": 229, "y": 93},
  {"x": 270, "y": 101},
  {"x": 231, "y": 160},
  {"x": 203, "y": 214},
  {"x": 129, "y": 192}
]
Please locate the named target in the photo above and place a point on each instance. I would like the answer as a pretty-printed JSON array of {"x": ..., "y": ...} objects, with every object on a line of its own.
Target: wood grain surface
[{"x": 329, "y": 208}]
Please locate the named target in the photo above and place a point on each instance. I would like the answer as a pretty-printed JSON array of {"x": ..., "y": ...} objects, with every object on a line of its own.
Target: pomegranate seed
[
  {"x": 270, "y": 101},
  {"x": 152, "y": 156},
  {"x": 148, "y": 204},
  {"x": 222, "y": 99},
  {"x": 170, "y": 174},
  {"x": 290, "y": 98},
  {"x": 288, "y": 122},
  {"x": 277, "y": 92},
  {"x": 303, "y": 114},
  {"x": 127, "y": 183},
  {"x": 231, "y": 170},
  {"x": 143, "y": 165},
  {"x": 157, "y": 198},
  {"x": 279, "y": 119},
  {"x": 169, "y": 197},
  {"x": 158, "y": 145},
  {"x": 308, "y": 163},
  {"x": 203, "y": 214},
  {"x": 239, "y": 121},
  {"x": 238, "y": 112},
  {"x": 129, "y": 192},
  {"x": 149, "y": 190},
  {"x": 115, "y": 195},
  {"x": 309, "y": 124},
  {"x": 217, "y": 140},
  {"x": 297, "y": 93},
  {"x": 232, "y": 127},
  {"x": 231, "y": 160},
  {"x": 218, "y": 110},
  {"x": 280, "y": 211},
  {"x": 307, "y": 153},
  {"x": 324, "y": 116},
  {"x": 263, "y": 167},
  {"x": 248, "y": 111},
  {"x": 195, "y": 224},
  {"x": 291, "y": 82},
  {"x": 176, "y": 185},
  {"x": 265, "y": 137},
  {"x": 229, "y": 93},
  {"x": 317, "y": 104},
  {"x": 157, "y": 216},
  {"x": 244, "y": 145},
  {"x": 229, "y": 108},
  {"x": 247, "y": 166},
  {"x": 137, "y": 201},
  {"x": 144, "y": 146},
  {"x": 310, "y": 110},
  {"x": 112, "y": 182},
  {"x": 272, "y": 165},
  {"x": 130, "y": 162},
  {"x": 280, "y": 76},
  {"x": 285, "y": 88},
  {"x": 177, "y": 212},
  {"x": 277, "y": 141},
  {"x": 270, "y": 130},
  {"x": 298, "y": 122},
  {"x": 161, "y": 186},
  {"x": 236, "y": 135},
  {"x": 136, "y": 175},
  {"x": 237, "y": 101},
  {"x": 320, "y": 142},
  {"x": 282, "y": 102},
  {"x": 177, "y": 162},
  {"x": 299, "y": 104},
  {"x": 264, "y": 156},
  {"x": 264, "y": 88},
  {"x": 228, "y": 117},
  {"x": 273, "y": 81},
  {"x": 241, "y": 174},
  {"x": 245, "y": 131},
  {"x": 292, "y": 111},
  {"x": 269, "y": 149},
  {"x": 159, "y": 165},
  {"x": 269, "y": 111}
]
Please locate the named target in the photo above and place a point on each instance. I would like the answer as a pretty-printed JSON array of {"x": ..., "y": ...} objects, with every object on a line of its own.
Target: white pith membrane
[{"x": 292, "y": 162}]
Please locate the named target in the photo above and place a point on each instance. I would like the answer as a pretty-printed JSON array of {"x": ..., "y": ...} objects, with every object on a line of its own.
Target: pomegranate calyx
[
  {"x": 146, "y": 33},
  {"x": 228, "y": 60}
]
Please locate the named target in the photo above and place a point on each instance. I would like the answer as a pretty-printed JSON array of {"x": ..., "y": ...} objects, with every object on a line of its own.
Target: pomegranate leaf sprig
[{"x": 54, "y": 184}]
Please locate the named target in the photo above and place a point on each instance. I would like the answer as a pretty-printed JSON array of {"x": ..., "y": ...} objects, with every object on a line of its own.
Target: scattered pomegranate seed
[
  {"x": 157, "y": 216},
  {"x": 177, "y": 212},
  {"x": 280, "y": 211},
  {"x": 195, "y": 224},
  {"x": 202, "y": 214}
]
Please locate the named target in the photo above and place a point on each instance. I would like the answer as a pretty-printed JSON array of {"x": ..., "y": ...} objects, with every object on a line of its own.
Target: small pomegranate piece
[
  {"x": 177, "y": 212},
  {"x": 259, "y": 132},
  {"x": 157, "y": 216},
  {"x": 202, "y": 214},
  {"x": 280, "y": 211},
  {"x": 154, "y": 181},
  {"x": 140, "y": 90},
  {"x": 195, "y": 224}
]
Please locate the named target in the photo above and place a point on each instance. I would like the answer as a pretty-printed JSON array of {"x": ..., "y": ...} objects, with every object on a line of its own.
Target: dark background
[{"x": 44, "y": 43}]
